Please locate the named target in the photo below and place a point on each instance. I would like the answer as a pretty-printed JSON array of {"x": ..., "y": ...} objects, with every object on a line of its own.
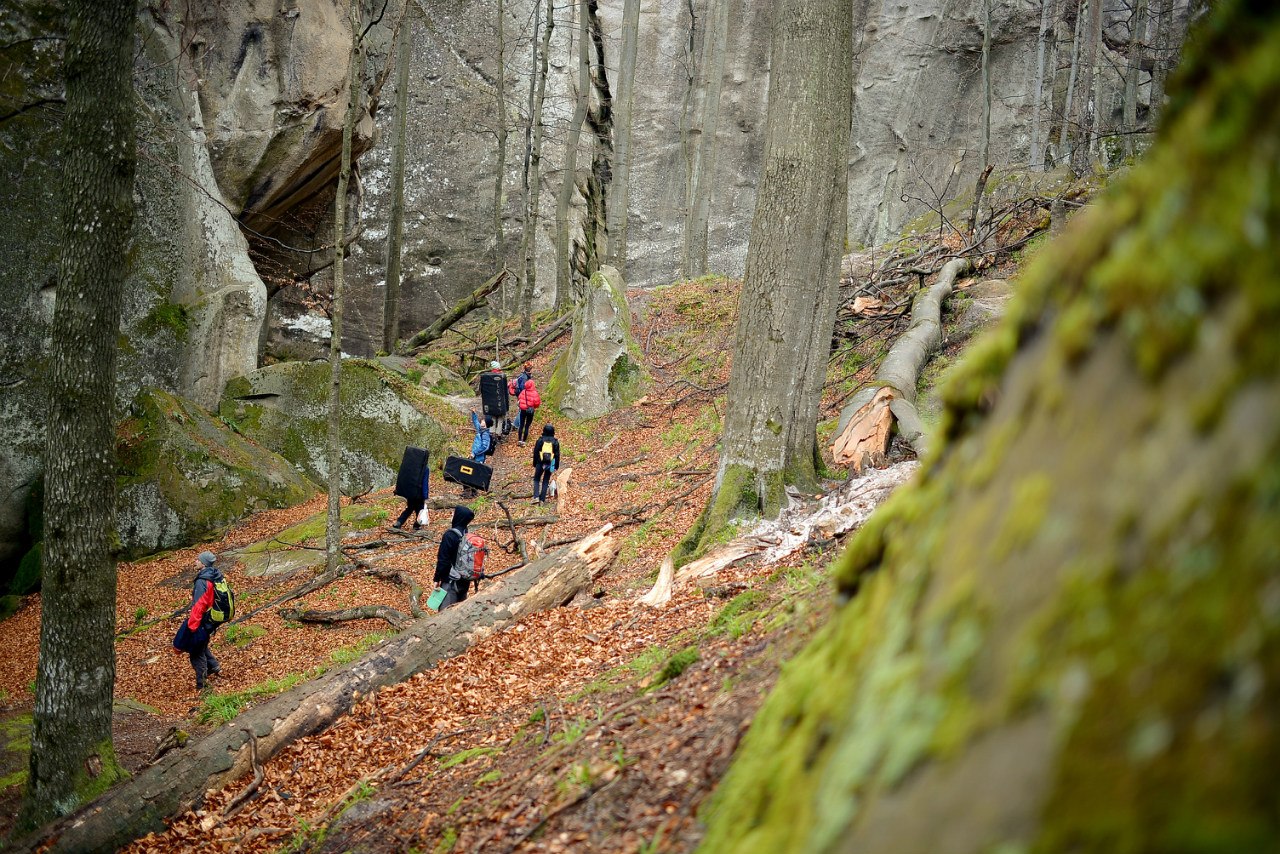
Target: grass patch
[
  {"x": 463, "y": 755},
  {"x": 16, "y": 733},
  {"x": 738, "y": 615},
  {"x": 17, "y": 778},
  {"x": 347, "y": 654},
  {"x": 492, "y": 777},
  {"x": 242, "y": 636},
  {"x": 676, "y": 664},
  {"x": 222, "y": 708}
]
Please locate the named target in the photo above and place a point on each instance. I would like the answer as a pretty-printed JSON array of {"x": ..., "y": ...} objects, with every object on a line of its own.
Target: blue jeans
[{"x": 541, "y": 481}]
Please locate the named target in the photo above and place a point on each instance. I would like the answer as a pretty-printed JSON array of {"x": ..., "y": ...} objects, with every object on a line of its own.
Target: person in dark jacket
[
  {"x": 455, "y": 590},
  {"x": 415, "y": 503},
  {"x": 546, "y": 461},
  {"x": 202, "y": 660}
]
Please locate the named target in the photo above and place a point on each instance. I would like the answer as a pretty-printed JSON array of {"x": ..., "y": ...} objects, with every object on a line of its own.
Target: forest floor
[{"x": 600, "y": 726}]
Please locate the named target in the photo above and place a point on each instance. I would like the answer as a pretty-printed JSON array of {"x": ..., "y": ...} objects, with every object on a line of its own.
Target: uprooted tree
[
  {"x": 1066, "y": 635},
  {"x": 787, "y": 308}
]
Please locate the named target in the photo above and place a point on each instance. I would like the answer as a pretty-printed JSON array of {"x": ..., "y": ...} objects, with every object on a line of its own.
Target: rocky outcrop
[
  {"x": 186, "y": 477},
  {"x": 285, "y": 408},
  {"x": 602, "y": 369},
  {"x": 239, "y": 123}
]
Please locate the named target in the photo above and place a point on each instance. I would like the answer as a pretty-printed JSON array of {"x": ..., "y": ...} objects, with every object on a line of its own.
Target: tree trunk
[
  {"x": 787, "y": 307},
  {"x": 620, "y": 193},
  {"x": 355, "y": 69},
  {"x": 460, "y": 309},
  {"x": 1160, "y": 58},
  {"x": 1065, "y": 134},
  {"x": 175, "y": 783},
  {"x": 564, "y": 269},
  {"x": 500, "y": 170},
  {"x": 703, "y": 165},
  {"x": 395, "y": 229},
  {"x": 1036, "y": 159},
  {"x": 1137, "y": 38},
  {"x": 1086, "y": 101},
  {"x": 71, "y": 752},
  {"x": 533, "y": 184}
]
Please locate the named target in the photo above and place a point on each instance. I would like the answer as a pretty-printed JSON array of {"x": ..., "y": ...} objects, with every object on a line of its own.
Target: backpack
[
  {"x": 469, "y": 563},
  {"x": 531, "y": 398},
  {"x": 490, "y": 446},
  {"x": 224, "y": 602},
  {"x": 547, "y": 452},
  {"x": 511, "y": 387}
]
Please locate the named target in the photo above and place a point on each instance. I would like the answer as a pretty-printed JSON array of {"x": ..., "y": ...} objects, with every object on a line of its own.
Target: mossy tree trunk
[
  {"x": 533, "y": 172},
  {"x": 355, "y": 70},
  {"x": 71, "y": 751},
  {"x": 787, "y": 308},
  {"x": 568, "y": 175},
  {"x": 702, "y": 166},
  {"x": 395, "y": 229},
  {"x": 1065, "y": 636},
  {"x": 620, "y": 191}
]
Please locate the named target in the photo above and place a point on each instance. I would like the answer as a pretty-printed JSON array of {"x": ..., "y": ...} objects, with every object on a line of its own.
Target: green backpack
[{"x": 224, "y": 602}]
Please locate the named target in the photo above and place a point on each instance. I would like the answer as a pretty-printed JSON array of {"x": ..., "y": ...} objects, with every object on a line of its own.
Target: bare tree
[
  {"x": 620, "y": 197},
  {"x": 355, "y": 71},
  {"x": 500, "y": 168},
  {"x": 533, "y": 172},
  {"x": 1036, "y": 159},
  {"x": 395, "y": 229},
  {"x": 1137, "y": 38},
  {"x": 568, "y": 183},
  {"x": 704, "y": 143},
  {"x": 72, "y": 758},
  {"x": 787, "y": 308}
]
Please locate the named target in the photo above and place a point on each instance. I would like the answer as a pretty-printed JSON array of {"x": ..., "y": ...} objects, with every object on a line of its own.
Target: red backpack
[{"x": 469, "y": 563}]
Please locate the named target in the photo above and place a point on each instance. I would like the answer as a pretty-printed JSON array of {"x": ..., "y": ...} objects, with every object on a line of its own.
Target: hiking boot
[
  {"x": 397, "y": 525},
  {"x": 213, "y": 673}
]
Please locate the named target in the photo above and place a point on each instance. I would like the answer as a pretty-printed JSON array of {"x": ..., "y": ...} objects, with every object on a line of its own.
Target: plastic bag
[
  {"x": 553, "y": 488},
  {"x": 423, "y": 517}
]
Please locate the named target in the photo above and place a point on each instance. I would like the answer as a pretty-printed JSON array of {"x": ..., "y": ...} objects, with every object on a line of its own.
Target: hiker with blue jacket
[
  {"x": 447, "y": 554},
  {"x": 482, "y": 444},
  {"x": 201, "y": 623},
  {"x": 546, "y": 461}
]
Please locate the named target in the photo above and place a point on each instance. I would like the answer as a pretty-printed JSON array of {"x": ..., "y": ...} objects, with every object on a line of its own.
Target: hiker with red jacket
[
  {"x": 447, "y": 555},
  {"x": 203, "y": 620},
  {"x": 529, "y": 401},
  {"x": 546, "y": 461}
]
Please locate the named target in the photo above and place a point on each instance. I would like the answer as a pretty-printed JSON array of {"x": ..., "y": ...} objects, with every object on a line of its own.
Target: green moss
[
  {"x": 243, "y": 636},
  {"x": 17, "y": 778},
  {"x": 677, "y": 664},
  {"x": 88, "y": 786},
  {"x": 174, "y": 317},
  {"x": 738, "y": 614},
  {"x": 464, "y": 755},
  {"x": 30, "y": 568}
]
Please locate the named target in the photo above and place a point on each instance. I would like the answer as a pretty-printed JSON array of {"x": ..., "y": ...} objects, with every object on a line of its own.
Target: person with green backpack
[{"x": 212, "y": 604}]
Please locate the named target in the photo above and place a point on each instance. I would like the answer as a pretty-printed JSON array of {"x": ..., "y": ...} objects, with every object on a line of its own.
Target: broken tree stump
[{"x": 175, "y": 783}]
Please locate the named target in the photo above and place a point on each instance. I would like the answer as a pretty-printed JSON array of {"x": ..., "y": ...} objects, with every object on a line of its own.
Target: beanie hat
[
  {"x": 495, "y": 365},
  {"x": 207, "y": 558}
]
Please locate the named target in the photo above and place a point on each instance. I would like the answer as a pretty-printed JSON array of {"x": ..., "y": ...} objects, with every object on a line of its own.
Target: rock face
[
  {"x": 186, "y": 477},
  {"x": 602, "y": 369},
  {"x": 239, "y": 120},
  {"x": 1066, "y": 635},
  {"x": 285, "y": 408},
  {"x": 916, "y": 130}
]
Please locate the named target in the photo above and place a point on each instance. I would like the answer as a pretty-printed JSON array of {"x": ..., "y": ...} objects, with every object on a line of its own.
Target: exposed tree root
[{"x": 397, "y": 619}]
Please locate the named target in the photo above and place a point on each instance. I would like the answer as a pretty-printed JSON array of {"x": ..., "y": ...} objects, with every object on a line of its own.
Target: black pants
[
  {"x": 455, "y": 592},
  {"x": 203, "y": 662},
  {"x": 413, "y": 509},
  {"x": 541, "y": 481},
  {"x": 526, "y": 421}
]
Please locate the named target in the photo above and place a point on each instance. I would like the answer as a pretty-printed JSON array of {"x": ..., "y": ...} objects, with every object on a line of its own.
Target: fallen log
[
  {"x": 901, "y": 368},
  {"x": 560, "y": 327},
  {"x": 178, "y": 781},
  {"x": 460, "y": 309}
]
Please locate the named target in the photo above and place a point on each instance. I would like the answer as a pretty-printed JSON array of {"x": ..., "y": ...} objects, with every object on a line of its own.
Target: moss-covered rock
[
  {"x": 184, "y": 476},
  {"x": 285, "y": 408},
  {"x": 285, "y": 553},
  {"x": 1066, "y": 636},
  {"x": 602, "y": 369}
]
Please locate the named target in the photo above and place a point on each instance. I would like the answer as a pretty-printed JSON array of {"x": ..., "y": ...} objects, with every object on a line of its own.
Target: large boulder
[
  {"x": 285, "y": 407},
  {"x": 602, "y": 369},
  {"x": 185, "y": 477}
]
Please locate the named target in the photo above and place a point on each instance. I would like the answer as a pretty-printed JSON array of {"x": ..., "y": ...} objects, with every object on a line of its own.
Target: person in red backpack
[
  {"x": 447, "y": 555},
  {"x": 529, "y": 401}
]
